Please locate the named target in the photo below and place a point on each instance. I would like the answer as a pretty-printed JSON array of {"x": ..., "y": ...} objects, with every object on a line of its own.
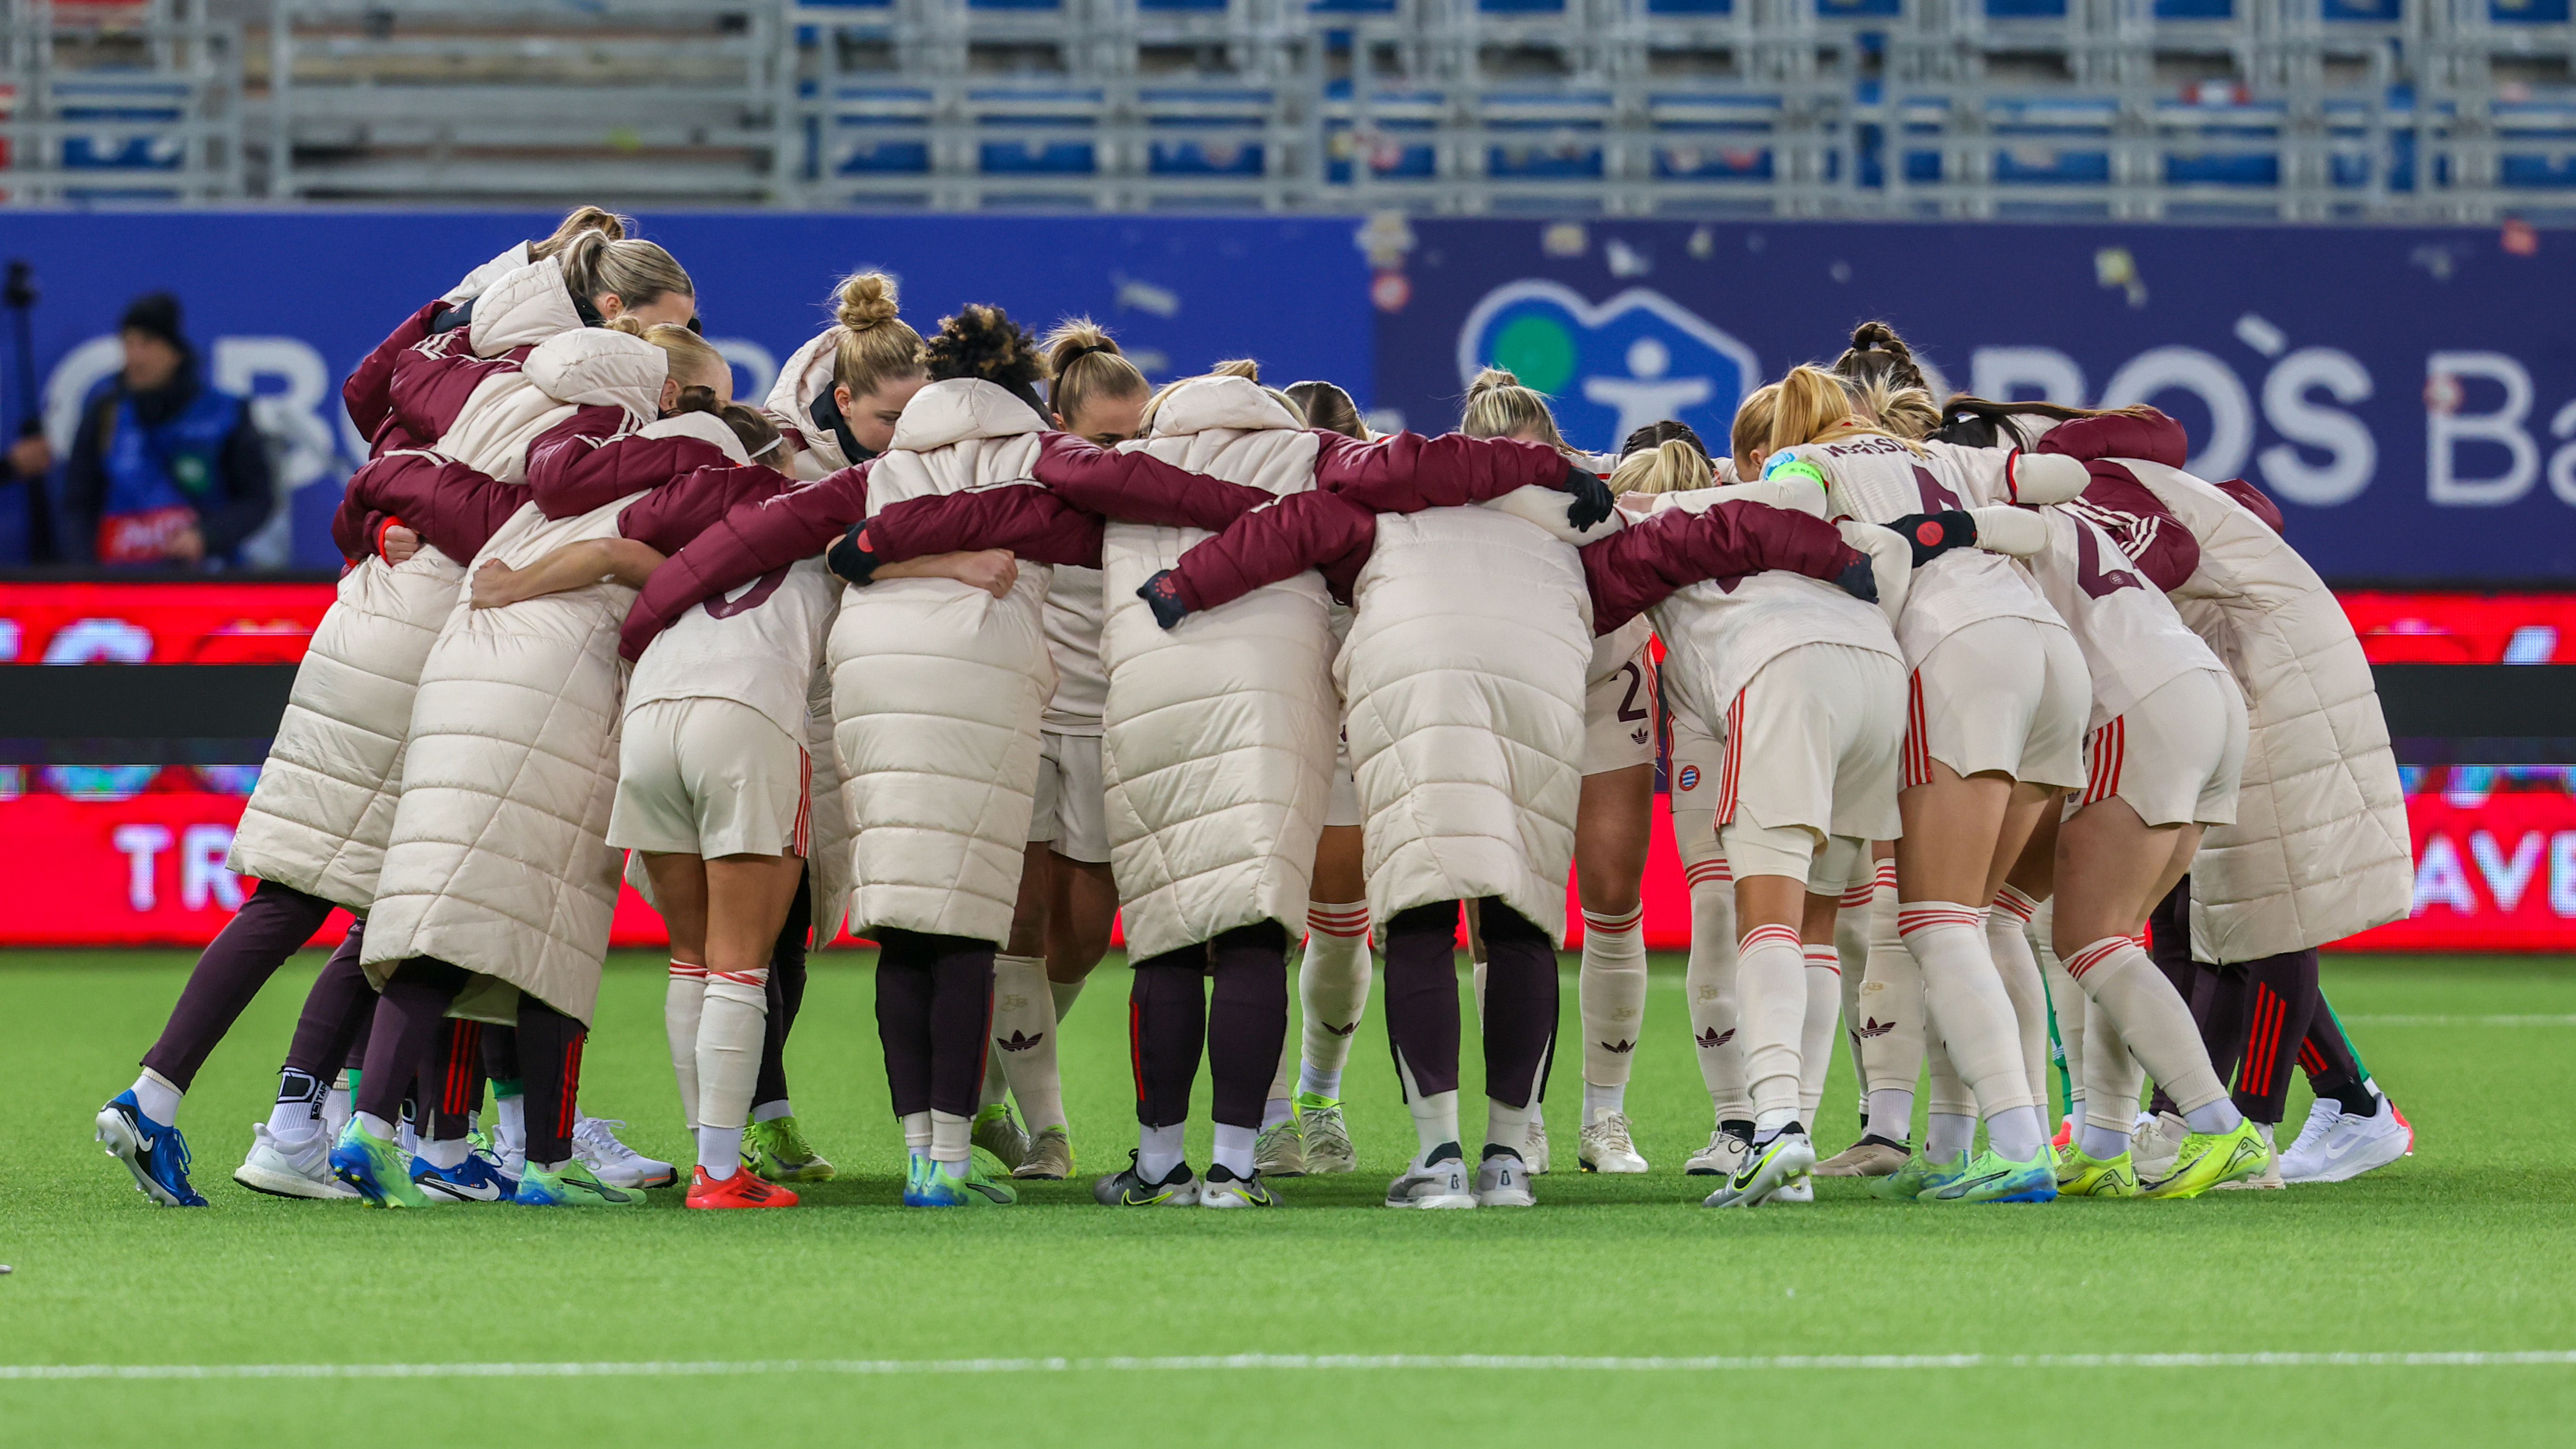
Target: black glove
[
  {"x": 1858, "y": 581},
  {"x": 1162, "y": 594},
  {"x": 852, "y": 558},
  {"x": 1592, "y": 500},
  {"x": 1934, "y": 534}
]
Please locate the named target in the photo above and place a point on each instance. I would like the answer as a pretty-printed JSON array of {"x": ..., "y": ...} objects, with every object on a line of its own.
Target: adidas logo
[
  {"x": 1638, "y": 735},
  {"x": 1621, "y": 1047},
  {"x": 1875, "y": 1028},
  {"x": 1018, "y": 1041},
  {"x": 1341, "y": 1030},
  {"x": 1712, "y": 1038}
]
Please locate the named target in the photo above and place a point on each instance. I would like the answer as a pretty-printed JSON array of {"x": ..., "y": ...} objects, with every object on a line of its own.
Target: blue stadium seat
[
  {"x": 1042, "y": 107},
  {"x": 1204, "y": 109},
  {"x": 2195, "y": 9},
  {"x": 1561, "y": 134},
  {"x": 1403, "y": 148},
  {"x": 2025, "y": 9},
  {"x": 1859, "y": 9},
  {"x": 2221, "y": 137},
  {"x": 2536, "y": 144},
  {"x": 1352, "y": 7},
  {"x": 2052, "y": 140},
  {"x": 1690, "y": 7},
  {"x": 1713, "y": 135},
  {"x": 879, "y": 131},
  {"x": 2378, "y": 12},
  {"x": 130, "y": 123},
  {"x": 2527, "y": 12}
]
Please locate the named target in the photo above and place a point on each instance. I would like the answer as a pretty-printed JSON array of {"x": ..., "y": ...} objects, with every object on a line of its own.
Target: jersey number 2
[{"x": 1628, "y": 706}]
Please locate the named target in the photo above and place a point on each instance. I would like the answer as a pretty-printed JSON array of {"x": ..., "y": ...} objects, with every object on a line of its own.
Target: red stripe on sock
[
  {"x": 1734, "y": 761},
  {"x": 1767, "y": 935},
  {"x": 1825, "y": 958},
  {"x": 2094, "y": 955},
  {"x": 688, "y": 971}
]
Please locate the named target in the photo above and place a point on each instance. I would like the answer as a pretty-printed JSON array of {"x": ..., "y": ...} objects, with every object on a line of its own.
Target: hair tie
[{"x": 1088, "y": 348}]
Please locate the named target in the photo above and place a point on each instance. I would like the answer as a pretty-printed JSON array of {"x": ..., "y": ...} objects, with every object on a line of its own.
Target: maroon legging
[
  {"x": 1239, "y": 1022},
  {"x": 934, "y": 1003},
  {"x": 2259, "y": 1019},
  {"x": 786, "y": 991},
  {"x": 411, "y": 1023},
  {"x": 272, "y": 925},
  {"x": 1520, "y": 999}
]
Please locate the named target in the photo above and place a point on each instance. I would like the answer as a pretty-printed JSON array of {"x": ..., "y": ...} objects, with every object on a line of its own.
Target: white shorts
[
  {"x": 1071, "y": 813},
  {"x": 710, "y": 777},
  {"x": 1619, "y": 717},
  {"x": 2176, "y": 756},
  {"x": 1696, "y": 761},
  {"x": 1344, "y": 806},
  {"x": 1829, "y": 864},
  {"x": 2008, "y": 695},
  {"x": 1812, "y": 741}
]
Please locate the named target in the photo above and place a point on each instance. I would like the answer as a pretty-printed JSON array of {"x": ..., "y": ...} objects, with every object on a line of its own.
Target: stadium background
[{"x": 2314, "y": 231}]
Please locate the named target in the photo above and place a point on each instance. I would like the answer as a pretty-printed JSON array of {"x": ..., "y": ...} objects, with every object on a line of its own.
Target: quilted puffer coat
[
  {"x": 318, "y": 819},
  {"x": 499, "y": 861},
  {"x": 2320, "y": 848}
]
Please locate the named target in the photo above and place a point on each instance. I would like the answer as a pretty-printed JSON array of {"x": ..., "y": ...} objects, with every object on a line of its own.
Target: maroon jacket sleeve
[
  {"x": 1299, "y": 532},
  {"x": 2144, "y": 434},
  {"x": 2139, "y": 523},
  {"x": 1641, "y": 565},
  {"x": 2257, "y": 502},
  {"x": 1407, "y": 472},
  {"x": 447, "y": 503},
  {"x": 748, "y": 541},
  {"x": 430, "y": 385},
  {"x": 1139, "y": 487},
  {"x": 675, "y": 513},
  {"x": 1034, "y": 523},
  {"x": 588, "y": 460},
  {"x": 368, "y": 392}
]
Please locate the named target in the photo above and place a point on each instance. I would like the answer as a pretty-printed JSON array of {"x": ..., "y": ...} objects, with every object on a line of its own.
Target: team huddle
[{"x": 975, "y": 643}]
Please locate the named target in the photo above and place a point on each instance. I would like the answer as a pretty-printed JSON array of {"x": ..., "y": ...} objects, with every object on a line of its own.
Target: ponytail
[
  {"x": 1877, "y": 354},
  {"x": 1976, "y": 422},
  {"x": 875, "y": 346},
  {"x": 691, "y": 361},
  {"x": 634, "y": 271},
  {"x": 1499, "y": 407},
  {"x": 1672, "y": 466},
  {"x": 579, "y": 220},
  {"x": 1085, "y": 365},
  {"x": 1326, "y": 406}
]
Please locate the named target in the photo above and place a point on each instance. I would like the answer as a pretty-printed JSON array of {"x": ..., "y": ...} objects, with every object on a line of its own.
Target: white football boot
[
  {"x": 1605, "y": 1146},
  {"x": 1720, "y": 1158},
  {"x": 290, "y": 1166},
  {"x": 596, "y": 1147}
]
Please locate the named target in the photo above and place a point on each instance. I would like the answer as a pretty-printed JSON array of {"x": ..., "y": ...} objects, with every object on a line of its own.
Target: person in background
[{"x": 164, "y": 468}]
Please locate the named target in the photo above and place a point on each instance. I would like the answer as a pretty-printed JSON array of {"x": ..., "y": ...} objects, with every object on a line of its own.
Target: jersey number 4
[
  {"x": 2097, "y": 581},
  {"x": 751, "y": 598},
  {"x": 1937, "y": 497}
]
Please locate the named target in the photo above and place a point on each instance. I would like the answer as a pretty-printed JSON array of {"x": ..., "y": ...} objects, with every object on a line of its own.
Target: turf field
[{"x": 918, "y": 1327}]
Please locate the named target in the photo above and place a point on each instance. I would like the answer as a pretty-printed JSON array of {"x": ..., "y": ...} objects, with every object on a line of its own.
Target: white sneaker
[
  {"x": 1279, "y": 1151},
  {"x": 1534, "y": 1151},
  {"x": 1801, "y": 1188},
  {"x": 1441, "y": 1184},
  {"x": 1502, "y": 1180},
  {"x": 2351, "y": 1147},
  {"x": 2322, "y": 1114},
  {"x": 1723, "y": 1155},
  {"x": 1605, "y": 1146},
  {"x": 1327, "y": 1138},
  {"x": 596, "y": 1147},
  {"x": 290, "y": 1166}
]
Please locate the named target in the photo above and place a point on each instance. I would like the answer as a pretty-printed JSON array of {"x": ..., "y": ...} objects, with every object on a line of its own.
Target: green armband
[{"x": 1790, "y": 466}]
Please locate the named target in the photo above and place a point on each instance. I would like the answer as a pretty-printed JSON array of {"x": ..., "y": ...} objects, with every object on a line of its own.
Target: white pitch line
[
  {"x": 2543, "y": 1358},
  {"x": 2406, "y": 1020}
]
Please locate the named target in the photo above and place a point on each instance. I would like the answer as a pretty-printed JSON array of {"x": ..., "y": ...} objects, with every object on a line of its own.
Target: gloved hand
[
  {"x": 1592, "y": 499},
  {"x": 852, "y": 558},
  {"x": 1859, "y": 579},
  {"x": 1934, "y": 534},
  {"x": 1162, "y": 594}
]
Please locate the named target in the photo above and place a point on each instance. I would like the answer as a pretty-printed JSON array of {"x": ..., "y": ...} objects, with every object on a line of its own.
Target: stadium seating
[{"x": 2292, "y": 109}]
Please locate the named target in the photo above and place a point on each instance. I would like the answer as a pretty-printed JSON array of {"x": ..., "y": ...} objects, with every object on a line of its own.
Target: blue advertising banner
[
  {"x": 2408, "y": 396},
  {"x": 282, "y": 305}
]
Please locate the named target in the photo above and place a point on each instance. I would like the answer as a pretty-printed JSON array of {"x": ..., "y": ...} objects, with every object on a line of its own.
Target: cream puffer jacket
[
  {"x": 806, "y": 376},
  {"x": 2320, "y": 848},
  {"x": 319, "y": 819},
  {"x": 1465, "y": 675},
  {"x": 1219, "y": 735},
  {"x": 498, "y": 860},
  {"x": 937, "y": 690}
]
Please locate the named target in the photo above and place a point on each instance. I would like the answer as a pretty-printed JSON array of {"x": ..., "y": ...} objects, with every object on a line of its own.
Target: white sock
[
  {"x": 1891, "y": 1113},
  {"x": 2017, "y": 1134},
  {"x": 448, "y": 1153},
  {"x": 293, "y": 1118},
  {"x": 1946, "y": 1135},
  {"x": 684, "y": 1001},
  {"x": 1851, "y": 957},
  {"x": 2008, "y": 941},
  {"x": 720, "y": 1151},
  {"x": 155, "y": 1098},
  {"x": 1158, "y": 1151},
  {"x": 1888, "y": 1016},
  {"x": 2155, "y": 1025},
  {"x": 1435, "y": 1118},
  {"x": 1603, "y": 1099},
  {"x": 1507, "y": 1125},
  {"x": 951, "y": 1146},
  {"x": 1332, "y": 991},
  {"x": 511, "y": 1117},
  {"x": 772, "y": 1111},
  {"x": 1063, "y": 992},
  {"x": 2100, "y": 1143},
  {"x": 916, "y": 1133},
  {"x": 375, "y": 1126},
  {"x": 730, "y": 1033},
  {"x": 1816, "y": 1041},
  {"x": 1233, "y": 1150},
  {"x": 1024, "y": 1039},
  {"x": 336, "y": 1102},
  {"x": 1275, "y": 1110},
  {"x": 1709, "y": 984},
  {"x": 1965, "y": 996},
  {"x": 1611, "y": 992},
  {"x": 1771, "y": 996}
]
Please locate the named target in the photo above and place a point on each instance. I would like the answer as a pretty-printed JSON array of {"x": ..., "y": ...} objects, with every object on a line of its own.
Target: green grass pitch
[{"x": 2469, "y": 1247}]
